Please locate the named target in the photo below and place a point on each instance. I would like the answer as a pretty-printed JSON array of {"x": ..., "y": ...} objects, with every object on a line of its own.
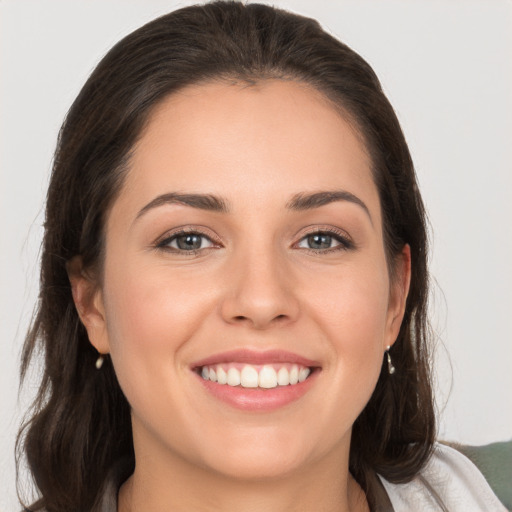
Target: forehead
[{"x": 259, "y": 142}]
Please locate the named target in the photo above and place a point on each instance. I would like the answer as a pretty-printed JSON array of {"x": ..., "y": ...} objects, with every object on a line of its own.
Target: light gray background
[{"x": 446, "y": 67}]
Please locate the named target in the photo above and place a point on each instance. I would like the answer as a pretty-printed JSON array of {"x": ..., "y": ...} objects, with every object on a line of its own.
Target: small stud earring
[
  {"x": 391, "y": 368},
  {"x": 99, "y": 361}
]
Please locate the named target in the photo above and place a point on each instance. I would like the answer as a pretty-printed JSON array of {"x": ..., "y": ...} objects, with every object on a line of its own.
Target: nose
[{"x": 260, "y": 292}]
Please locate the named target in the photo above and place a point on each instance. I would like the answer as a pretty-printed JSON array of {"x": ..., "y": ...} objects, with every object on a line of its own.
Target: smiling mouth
[{"x": 266, "y": 376}]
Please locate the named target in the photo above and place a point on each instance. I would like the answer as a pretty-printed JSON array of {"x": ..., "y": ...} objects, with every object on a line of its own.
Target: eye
[
  {"x": 325, "y": 241},
  {"x": 186, "y": 241}
]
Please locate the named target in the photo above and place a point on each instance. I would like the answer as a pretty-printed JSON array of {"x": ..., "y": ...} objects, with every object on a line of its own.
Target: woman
[{"x": 234, "y": 283}]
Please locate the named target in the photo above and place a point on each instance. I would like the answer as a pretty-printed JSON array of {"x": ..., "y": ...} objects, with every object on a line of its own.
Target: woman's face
[{"x": 246, "y": 244}]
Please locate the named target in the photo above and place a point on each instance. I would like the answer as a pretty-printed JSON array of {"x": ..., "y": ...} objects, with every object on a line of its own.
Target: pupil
[
  {"x": 319, "y": 241},
  {"x": 189, "y": 242}
]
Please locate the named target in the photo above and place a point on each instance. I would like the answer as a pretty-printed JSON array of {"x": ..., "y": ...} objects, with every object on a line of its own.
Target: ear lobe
[
  {"x": 88, "y": 299},
  {"x": 398, "y": 293}
]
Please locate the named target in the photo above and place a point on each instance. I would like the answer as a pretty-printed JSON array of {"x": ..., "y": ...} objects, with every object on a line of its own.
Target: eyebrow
[
  {"x": 301, "y": 202},
  {"x": 210, "y": 202},
  {"x": 207, "y": 202}
]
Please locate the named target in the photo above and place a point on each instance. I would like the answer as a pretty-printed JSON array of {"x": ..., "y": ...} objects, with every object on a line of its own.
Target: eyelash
[
  {"x": 343, "y": 240},
  {"x": 168, "y": 239},
  {"x": 345, "y": 243}
]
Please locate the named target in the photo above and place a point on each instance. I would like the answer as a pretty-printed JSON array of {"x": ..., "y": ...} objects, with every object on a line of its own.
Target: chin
[
  {"x": 260, "y": 466},
  {"x": 258, "y": 455}
]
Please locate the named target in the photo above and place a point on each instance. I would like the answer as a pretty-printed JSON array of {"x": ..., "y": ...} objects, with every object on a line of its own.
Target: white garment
[{"x": 450, "y": 482}]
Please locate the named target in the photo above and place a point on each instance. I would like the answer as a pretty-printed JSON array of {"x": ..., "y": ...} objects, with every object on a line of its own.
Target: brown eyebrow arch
[
  {"x": 300, "y": 202},
  {"x": 209, "y": 202},
  {"x": 202, "y": 201}
]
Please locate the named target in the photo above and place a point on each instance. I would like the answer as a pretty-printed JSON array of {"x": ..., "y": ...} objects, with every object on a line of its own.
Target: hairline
[{"x": 250, "y": 79}]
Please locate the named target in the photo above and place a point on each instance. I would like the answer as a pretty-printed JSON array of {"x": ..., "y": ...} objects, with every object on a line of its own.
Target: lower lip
[{"x": 258, "y": 399}]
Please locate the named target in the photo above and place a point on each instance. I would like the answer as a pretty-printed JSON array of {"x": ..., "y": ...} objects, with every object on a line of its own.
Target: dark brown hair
[{"x": 80, "y": 419}]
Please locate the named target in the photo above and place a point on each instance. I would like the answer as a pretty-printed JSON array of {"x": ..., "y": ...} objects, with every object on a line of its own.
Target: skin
[{"x": 256, "y": 285}]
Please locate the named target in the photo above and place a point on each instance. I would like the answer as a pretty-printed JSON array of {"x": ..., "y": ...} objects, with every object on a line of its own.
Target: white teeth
[
  {"x": 303, "y": 374},
  {"x": 233, "y": 377},
  {"x": 283, "y": 377},
  {"x": 267, "y": 377},
  {"x": 249, "y": 377},
  {"x": 222, "y": 376},
  {"x": 294, "y": 374}
]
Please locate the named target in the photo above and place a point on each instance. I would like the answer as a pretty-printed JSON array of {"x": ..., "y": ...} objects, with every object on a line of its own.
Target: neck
[{"x": 164, "y": 483}]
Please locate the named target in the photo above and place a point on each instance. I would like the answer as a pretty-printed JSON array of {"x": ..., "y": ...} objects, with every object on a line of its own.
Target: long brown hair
[{"x": 79, "y": 425}]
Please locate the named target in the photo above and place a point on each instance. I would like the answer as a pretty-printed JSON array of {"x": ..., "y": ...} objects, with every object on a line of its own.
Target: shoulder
[{"x": 449, "y": 482}]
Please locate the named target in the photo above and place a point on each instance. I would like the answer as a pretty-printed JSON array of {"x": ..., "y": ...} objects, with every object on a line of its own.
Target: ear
[
  {"x": 399, "y": 290},
  {"x": 88, "y": 299}
]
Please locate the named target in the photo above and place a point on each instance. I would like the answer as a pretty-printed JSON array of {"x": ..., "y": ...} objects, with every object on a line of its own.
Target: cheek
[
  {"x": 352, "y": 316},
  {"x": 151, "y": 315},
  {"x": 352, "y": 307}
]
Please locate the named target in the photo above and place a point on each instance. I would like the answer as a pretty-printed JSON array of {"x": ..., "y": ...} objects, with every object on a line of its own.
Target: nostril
[{"x": 280, "y": 319}]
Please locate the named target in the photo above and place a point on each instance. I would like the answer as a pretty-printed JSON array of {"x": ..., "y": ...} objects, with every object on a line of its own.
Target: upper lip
[{"x": 256, "y": 357}]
